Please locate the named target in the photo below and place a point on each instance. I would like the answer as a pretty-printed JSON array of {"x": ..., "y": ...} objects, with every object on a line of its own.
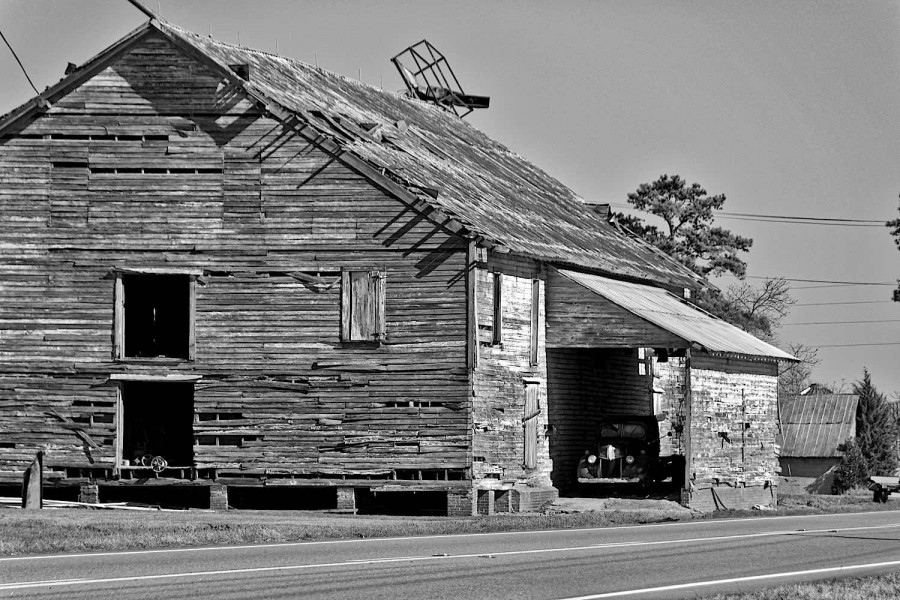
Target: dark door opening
[{"x": 158, "y": 420}]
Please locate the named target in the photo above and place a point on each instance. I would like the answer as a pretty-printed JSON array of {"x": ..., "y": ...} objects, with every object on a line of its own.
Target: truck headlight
[
  {"x": 591, "y": 459},
  {"x": 629, "y": 459}
]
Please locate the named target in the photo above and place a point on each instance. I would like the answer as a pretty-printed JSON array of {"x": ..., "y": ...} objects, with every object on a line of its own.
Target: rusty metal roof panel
[
  {"x": 815, "y": 425},
  {"x": 678, "y": 317},
  {"x": 487, "y": 187}
]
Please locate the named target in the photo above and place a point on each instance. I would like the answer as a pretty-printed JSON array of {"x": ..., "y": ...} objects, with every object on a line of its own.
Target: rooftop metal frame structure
[{"x": 433, "y": 80}]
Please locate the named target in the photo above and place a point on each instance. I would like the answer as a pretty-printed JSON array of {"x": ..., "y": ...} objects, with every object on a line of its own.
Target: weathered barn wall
[
  {"x": 508, "y": 425},
  {"x": 733, "y": 428},
  {"x": 670, "y": 378},
  {"x": 580, "y": 318},
  {"x": 154, "y": 164}
]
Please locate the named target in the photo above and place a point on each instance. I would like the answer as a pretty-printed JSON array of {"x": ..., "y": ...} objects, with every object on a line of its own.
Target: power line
[
  {"x": 835, "y": 303},
  {"x": 833, "y": 222},
  {"x": 823, "y": 281},
  {"x": 842, "y": 322},
  {"x": 853, "y": 345},
  {"x": 787, "y": 218},
  {"x": 21, "y": 66}
]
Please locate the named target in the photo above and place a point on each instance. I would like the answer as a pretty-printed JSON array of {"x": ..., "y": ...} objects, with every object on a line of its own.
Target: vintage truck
[{"x": 626, "y": 450}]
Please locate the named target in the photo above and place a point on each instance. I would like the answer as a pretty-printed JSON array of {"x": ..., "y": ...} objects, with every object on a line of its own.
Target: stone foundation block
[{"x": 218, "y": 497}]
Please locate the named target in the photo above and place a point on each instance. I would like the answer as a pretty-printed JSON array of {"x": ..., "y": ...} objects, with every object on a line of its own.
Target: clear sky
[{"x": 788, "y": 108}]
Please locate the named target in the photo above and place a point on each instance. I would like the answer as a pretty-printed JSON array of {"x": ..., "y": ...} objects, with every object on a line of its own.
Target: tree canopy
[
  {"x": 689, "y": 235},
  {"x": 894, "y": 226}
]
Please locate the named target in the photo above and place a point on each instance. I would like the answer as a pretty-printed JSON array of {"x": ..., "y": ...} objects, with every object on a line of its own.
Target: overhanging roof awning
[{"x": 668, "y": 312}]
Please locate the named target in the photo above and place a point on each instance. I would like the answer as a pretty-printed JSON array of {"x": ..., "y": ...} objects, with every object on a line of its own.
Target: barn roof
[
  {"x": 668, "y": 312},
  {"x": 815, "y": 425},
  {"x": 475, "y": 182}
]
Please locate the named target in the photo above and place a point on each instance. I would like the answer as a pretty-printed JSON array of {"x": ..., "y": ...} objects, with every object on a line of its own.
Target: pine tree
[{"x": 876, "y": 428}]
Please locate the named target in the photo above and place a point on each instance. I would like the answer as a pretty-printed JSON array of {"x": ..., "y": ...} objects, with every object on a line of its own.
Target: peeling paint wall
[
  {"x": 502, "y": 375},
  {"x": 733, "y": 424}
]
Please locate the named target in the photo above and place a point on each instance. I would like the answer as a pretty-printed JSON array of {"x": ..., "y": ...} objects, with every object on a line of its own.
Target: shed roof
[
  {"x": 815, "y": 425},
  {"x": 676, "y": 316},
  {"x": 492, "y": 192}
]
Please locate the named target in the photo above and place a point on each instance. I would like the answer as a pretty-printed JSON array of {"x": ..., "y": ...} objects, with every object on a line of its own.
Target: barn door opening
[{"x": 157, "y": 421}]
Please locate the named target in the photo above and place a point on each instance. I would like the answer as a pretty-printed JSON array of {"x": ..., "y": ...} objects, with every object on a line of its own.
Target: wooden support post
[
  {"x": 471, "y": 307},
  {"x": 688, "y": 462},
  {"x": 32, "y": 484}
]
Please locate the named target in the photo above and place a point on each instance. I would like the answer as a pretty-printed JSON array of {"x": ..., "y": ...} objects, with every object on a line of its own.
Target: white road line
[
  {"x": 698, "y": 584},
  {"x": 375, "y": 561},
  {"x": 644, "y": 526}
]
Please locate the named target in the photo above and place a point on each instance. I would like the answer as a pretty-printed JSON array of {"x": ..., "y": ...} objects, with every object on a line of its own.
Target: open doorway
[{"x": 157, "y": 421}]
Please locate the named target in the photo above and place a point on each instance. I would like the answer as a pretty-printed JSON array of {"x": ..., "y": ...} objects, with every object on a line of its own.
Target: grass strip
[{"x": 873, "y": 587}]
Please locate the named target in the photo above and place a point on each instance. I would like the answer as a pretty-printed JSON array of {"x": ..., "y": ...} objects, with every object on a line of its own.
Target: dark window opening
[
  {"x": 241, "y": 70},
  {"x": 157, "y": 420},
  {"x": 157, "y": 315},
  {"x": 287, "y": 498},
  {"x": 424, "y": 503},
  {"x": 497, "y": 337}
]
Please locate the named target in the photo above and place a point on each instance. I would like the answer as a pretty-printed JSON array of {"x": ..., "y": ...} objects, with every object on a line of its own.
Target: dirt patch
[{"x": 653, "y": 509}]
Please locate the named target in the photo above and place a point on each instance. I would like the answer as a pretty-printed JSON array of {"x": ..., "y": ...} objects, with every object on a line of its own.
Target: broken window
[
  {"x": 532, "y": 411},
  {"x": 362, "y": 306},
  {"x": 156, "y": 420},
  {"x": 154, "y": 316}
]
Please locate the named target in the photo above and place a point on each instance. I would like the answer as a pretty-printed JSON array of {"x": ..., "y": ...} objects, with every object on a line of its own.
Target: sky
[{"x": 787, "y": 108}]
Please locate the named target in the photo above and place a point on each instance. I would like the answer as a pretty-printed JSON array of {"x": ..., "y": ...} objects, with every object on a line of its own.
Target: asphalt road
[{"x": 671, "y": 560}]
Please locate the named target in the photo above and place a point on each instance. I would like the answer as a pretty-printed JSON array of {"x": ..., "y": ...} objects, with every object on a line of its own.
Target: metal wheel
[{"x": 158, "y": 464}]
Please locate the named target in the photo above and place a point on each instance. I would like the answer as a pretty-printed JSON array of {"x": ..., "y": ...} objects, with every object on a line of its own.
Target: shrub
[{"x": 851, "y": 472}]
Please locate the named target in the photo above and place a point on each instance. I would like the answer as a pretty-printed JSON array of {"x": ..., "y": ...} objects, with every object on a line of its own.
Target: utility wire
[
  {"x": 853, "y": 345},
  {"x": 835, "y": 303},
  {"x": 841, "y": 322},
  {"x": 787, "y": 219},
  {"x": 21, "y": 66},
  {"x": 823, "y": 281}
]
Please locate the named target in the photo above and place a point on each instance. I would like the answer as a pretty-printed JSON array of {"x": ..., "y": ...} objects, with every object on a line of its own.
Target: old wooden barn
[{"x": 230, "y": 274}]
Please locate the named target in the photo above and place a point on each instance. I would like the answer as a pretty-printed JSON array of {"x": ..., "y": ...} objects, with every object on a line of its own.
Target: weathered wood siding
[
  {"x": 580, "y": 318},
  {"x": 155, "y": 164},
  {"x": 670, "y": 378},
  {"x": 503, "y": 371},
  {"x": 736, "y": 398}
]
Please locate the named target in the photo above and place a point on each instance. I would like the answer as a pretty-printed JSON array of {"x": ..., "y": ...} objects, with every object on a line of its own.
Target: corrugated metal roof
[
  {"x": 815, "y": 425},
  {"x": 678, "y": 317}
]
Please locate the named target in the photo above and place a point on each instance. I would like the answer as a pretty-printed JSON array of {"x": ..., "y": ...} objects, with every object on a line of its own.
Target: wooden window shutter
[
  {"x": 377, "y": 290},
  {"x": 192, "y": 318},
  {"x": 362, "y": 305},
  {"x": 535, "y": 319},
  {"x": 498, "y": 309},
  {"x": 345, "y": 306},
  {"x": 532, "y": 411}
]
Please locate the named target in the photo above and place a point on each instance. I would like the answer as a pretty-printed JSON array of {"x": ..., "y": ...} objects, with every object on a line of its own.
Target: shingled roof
[
  {"x": 815, "y": 425},
  {"x": 496, "y": 195}
]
